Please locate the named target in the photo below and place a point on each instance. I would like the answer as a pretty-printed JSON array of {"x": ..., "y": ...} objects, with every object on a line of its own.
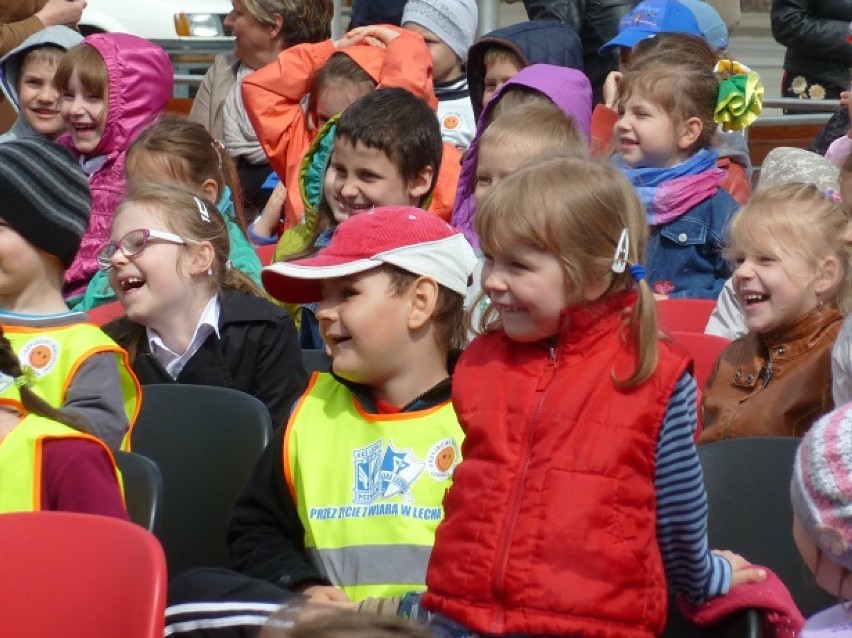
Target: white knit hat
[{"x": 453, "y": 21}]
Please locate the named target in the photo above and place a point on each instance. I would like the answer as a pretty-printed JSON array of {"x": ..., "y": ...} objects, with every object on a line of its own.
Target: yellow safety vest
[
  {"x": 21, "y": 461},
  {"x": 369, "y": 487},
  {"x": 55, "y": 354}
]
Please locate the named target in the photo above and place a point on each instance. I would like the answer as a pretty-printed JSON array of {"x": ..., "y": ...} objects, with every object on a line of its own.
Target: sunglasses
[{"x": 133, "y": 243}]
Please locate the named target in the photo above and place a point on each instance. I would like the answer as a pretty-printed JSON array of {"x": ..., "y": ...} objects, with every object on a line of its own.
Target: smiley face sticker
[
  {"x": 442, "y": 459},
  {"x": 40, "y": 354}
]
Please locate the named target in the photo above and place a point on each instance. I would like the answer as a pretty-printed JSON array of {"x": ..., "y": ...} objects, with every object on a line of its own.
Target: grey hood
[{"x": 10, "y": 64}]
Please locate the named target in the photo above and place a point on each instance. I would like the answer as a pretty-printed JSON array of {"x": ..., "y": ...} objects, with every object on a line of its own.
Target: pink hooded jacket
[{"x": 140, "y": 85}]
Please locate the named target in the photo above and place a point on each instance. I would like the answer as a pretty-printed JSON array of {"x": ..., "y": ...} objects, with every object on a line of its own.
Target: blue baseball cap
[
  {"x": 650, "y": 18},
  {"x": 710, "y": 22}
]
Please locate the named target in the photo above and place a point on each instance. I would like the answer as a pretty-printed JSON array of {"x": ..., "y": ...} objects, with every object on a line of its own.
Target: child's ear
[
  {"x": 828, "y": 275},
  {"x": 210, "y": 189},
  {"x": 279, "y": 24},
  {"x": 420, "y": 185},
  {"x": 424, "y": 298},
  {"x": 690, "y": 132},
  {"x": 202, "y": 258}
]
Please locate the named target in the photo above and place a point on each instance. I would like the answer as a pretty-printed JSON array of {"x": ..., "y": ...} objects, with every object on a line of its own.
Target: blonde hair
[
  {"x": 50, "y": 53},
  {"x": 515, "y": 95},
  {"x": 496, "y": 53},
  {"x": 576, "y": 210},
  {"x": 91, "y": 70},
  {"x": 795, "y": 218},
  {"x": 536, "y": 128}
]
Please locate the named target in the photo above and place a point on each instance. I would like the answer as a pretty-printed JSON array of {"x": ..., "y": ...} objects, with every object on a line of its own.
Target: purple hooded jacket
[
  {"x": 569, "y": 89},
  {"x": 140, "y": 85}
]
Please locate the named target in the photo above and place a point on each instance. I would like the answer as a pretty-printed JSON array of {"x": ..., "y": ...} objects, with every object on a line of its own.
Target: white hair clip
[
  {"x": 202, "y": 209},
  {"x": 619, "y": 262}
]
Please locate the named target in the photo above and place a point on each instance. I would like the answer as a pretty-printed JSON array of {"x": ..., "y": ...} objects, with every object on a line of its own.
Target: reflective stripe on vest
[
  {"x": 21, "y": 461},
  {"x": 55, "y": 354},
  {"x": 368, "y": 487}
]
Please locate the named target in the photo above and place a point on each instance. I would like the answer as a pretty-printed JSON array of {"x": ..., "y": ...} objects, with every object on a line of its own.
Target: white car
[{"x": 173, "y": 24}]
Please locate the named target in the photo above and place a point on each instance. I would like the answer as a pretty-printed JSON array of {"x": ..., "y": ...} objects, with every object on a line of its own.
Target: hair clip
[
  {"x": 26, "y": 379},
  {"x": 831, "y": 195},
  {"x": 219, "y": 148},
  {"x": 202, "y": 209},
  {"x": 619, "y": 262},
  {"x": 228, "y": 265},
  {"x": 638, "y": 272}
]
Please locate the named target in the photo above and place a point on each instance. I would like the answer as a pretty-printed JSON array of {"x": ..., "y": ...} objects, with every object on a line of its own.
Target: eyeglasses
[{"x": 134, "y": 243}]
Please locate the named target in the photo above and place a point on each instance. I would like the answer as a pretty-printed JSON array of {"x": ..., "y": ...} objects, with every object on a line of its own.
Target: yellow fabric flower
[{"x": 740, "y": 98}]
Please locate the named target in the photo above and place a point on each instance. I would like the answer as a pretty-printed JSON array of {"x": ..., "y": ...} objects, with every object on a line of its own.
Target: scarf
[
  {"x": 668, "y": 193},
  {"x": 240, "y": 138}
]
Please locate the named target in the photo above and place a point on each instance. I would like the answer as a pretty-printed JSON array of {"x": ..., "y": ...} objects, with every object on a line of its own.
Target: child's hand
[
  {"x": 66, "y": 12},
  {"x": 266, "y": 225},
  {"x": 742, "y": 571},
  {"x": 376, "y": 35},
  {"x": 610, "y": 88},
  {"x": 325, "y": 594}
]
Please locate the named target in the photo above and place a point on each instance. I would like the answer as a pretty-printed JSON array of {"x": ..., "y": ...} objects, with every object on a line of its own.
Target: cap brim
[
  {"x": 299, "y": 281},
  {"x": 627, "y": 38}
]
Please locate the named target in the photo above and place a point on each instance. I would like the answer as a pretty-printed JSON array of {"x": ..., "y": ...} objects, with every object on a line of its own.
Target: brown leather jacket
[{"x": 773, "y": 384}]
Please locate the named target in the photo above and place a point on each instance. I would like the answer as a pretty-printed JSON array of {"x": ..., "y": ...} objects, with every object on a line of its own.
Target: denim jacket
[{"x": 685, "y": 255}]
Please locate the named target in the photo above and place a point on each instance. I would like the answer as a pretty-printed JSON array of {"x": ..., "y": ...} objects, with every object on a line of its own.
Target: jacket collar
[
  {"x": 799, "y": 336},
  {"x": 584, "y": 324}
]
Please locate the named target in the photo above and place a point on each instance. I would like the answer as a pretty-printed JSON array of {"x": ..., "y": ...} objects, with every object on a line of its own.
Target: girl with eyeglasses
[{"x": 191, "y": 316}]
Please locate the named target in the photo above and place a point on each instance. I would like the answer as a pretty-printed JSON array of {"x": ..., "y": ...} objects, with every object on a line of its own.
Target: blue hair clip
[
  {"x": 831, "y": 195},
  {"x": 637, "y": 271}
]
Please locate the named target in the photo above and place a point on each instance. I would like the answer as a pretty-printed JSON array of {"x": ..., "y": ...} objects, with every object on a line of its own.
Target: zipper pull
[
  {"x": 548, "y": 371},
  {"x": 766, "y": 374}
]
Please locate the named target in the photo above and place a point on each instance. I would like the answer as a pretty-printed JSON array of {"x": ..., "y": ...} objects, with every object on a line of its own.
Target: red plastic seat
[
  {"x": 684, "y": 315},
  {"x": 102, "y": 315},
  {"x": 705, "y": 350},
  {"x": 79, "y": 576}
]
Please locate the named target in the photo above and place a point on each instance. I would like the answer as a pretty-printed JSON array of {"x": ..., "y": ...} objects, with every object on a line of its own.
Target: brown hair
[
  {"x": 576, "y": 210},
  {"x": 303, "y": 21},
  {"x": 45, "y": 53},
  {"x": 684, "y": 90},
  {"x": 674, "y": 48},
  {"x": 343, "y": 72},
  {"x": 536, "y": 128},
  {"x": 513, "y": 96},
  {"x": 795, "y": 218},
  {"x": 187, "y": 154},
  {"x": 10, "y": 365},
  {"x": 500, "y": 53},
  {"x": 90, "y": 67}
]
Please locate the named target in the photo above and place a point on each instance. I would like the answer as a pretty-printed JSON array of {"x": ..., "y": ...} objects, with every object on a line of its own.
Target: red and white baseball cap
[{"x": 409, "y": 238}]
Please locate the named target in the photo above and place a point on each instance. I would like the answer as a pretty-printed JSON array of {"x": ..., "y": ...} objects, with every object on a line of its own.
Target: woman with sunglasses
[{"x": 191, "y": 317}]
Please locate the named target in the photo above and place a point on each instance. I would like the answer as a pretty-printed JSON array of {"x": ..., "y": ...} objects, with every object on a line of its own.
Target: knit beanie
[
  {"x": 44, "y": 196},
  {"x": 453, "y": 21},
  {"x": 821, "y": 489}
]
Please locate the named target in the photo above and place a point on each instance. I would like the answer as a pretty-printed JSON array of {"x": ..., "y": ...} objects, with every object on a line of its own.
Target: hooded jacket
[
  {"x": 17, "y": 23},
  {"x": 569, "y": 89},
  {"x": 273, "y": 98},
  {"x": 140, "y": 85},
  {"x": 535, "y": 42},
  {"x": 10, "y": 73}
]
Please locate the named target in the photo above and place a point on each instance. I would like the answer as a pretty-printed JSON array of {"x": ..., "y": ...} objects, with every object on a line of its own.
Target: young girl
[
  {"x": 790, "y": 278},
  {"x": 46, "y": 461},
  {"x": 191, "y": 317},
  {"x": 580, "y": 492},
  {"x": 664, "y": 131},
  {"x": 821, "y": 495},
  {"x": 332, "y": 75},
  {"x": 177, "y": 151},
  {"x": 111, "y": 87}
]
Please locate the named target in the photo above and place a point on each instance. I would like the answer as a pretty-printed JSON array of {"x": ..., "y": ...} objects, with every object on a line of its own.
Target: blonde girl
[
  {"x": 787, "y": 245},
  {"x": 191, "y": 316},
  {"x": 578, "y": 457}
]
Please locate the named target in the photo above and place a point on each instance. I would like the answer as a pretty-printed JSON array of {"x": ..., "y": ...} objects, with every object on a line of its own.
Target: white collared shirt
[{"x": 173, "y": 362}]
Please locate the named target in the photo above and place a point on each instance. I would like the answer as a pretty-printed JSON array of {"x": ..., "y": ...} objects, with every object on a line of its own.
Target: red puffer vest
[{"x": 550, "y": 524}]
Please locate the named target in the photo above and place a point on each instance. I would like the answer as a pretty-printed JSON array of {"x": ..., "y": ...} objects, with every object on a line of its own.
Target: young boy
[
  {"x": 26, "y": 77},
  {"x": 449, "y": 28},
  {"x": 67, "y": 361},
  {"x": 344, "y": 502}
]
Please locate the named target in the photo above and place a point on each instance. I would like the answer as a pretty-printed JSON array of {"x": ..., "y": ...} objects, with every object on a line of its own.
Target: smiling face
[
  {"x": 255, "y": 44},
  {"x": 647, "y": 135},
  {"x": 365, "y": 326},
  {"x": 527, "y": 286},
  {"x": 84, "y": 114},
  {"x": 39, "y": 99},
  {"x": 494, "y": 163},
  {"x": 365, "y": 177}
]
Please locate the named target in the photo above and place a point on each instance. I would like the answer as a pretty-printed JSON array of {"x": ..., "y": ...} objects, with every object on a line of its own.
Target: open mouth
[
  {"x": 84, "y": 129},
  {"x": 753, "y": 298},
  {"x": 128, "y": 284}
]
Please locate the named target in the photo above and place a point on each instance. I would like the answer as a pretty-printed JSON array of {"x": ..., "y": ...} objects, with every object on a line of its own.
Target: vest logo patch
[
  {"x": 383, "y": 474},
  {"x": 40, "y": 354},
  {"x": 442, "y": 459}
]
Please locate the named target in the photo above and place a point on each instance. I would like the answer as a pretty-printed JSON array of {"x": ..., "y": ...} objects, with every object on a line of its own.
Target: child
[
  {"x": 791, "y": 276},
  {"x": 580, "y": 492},
  {"x": 568, "y": 89},
  {"x": 111, "y": 87},
  {"x": 177, "y": 151},
  {"x": 46, "y": 461},
  {"x": 665, "y": 127},
  {"x": 841, "y": 353},
  {"x": 386, "y": 151},
  {"x": 26, "y": 77},
  {"x": 330, "y": 75},
  {"x": 497, "y": 56},
  {"x": 191, "y": 317},
  {"x": 43, "y": 214},
  {"x": 821, "y": 498},
  {"x": 390, "y": 286},
  {"x": 449, "y": 29}
]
